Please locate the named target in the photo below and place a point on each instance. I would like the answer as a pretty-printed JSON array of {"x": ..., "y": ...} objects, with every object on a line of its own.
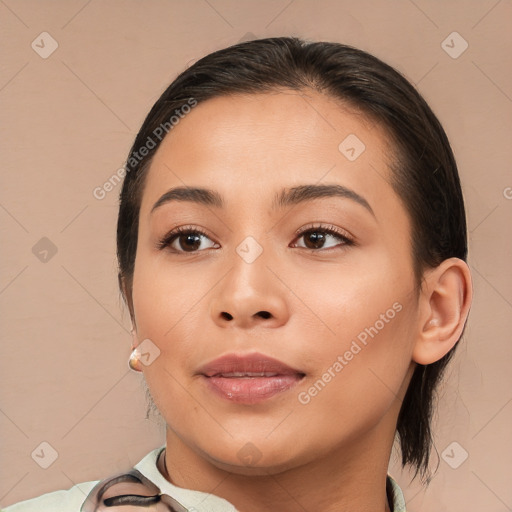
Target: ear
[{"x": 445, "y": 300}]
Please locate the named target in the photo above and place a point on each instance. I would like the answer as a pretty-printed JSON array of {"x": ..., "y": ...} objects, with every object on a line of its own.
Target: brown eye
[
  {"x": 189, "y": 242},
  {"x": 185, "y": 240},
  {"x": 314, "y": 240},
  {"x": 320, "y": 238}
]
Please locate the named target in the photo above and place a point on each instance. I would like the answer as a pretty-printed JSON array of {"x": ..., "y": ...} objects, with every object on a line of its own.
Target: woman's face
[{"x": 302, "y": 256}]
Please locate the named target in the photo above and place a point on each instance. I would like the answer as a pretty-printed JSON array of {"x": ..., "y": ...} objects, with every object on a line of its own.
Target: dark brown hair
[{"x": 424, "y": 172}]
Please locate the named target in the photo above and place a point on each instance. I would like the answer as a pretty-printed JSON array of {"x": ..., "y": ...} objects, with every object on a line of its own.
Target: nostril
[
  {"x": 227, "y": 316},
  {"x": 264, "y": 314}
]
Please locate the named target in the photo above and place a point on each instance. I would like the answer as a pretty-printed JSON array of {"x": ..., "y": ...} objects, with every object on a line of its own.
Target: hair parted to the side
[{"x": 424, "y": 172}]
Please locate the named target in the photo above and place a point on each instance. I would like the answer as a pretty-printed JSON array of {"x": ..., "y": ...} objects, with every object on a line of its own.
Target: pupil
[
  {"x": 194, "y": 244},
  {"x": 315, "y": 237}
]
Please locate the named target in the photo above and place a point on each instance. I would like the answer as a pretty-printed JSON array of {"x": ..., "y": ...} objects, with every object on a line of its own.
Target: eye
[
  {"x": 318, "y": 237},
  {"x": 185, "y": 239}
]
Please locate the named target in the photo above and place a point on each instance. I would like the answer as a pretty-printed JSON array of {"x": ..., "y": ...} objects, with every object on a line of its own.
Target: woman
[{"x": 292, "y": 245}]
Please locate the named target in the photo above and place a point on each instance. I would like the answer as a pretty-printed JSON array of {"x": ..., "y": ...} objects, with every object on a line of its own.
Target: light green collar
[{"x": 203, "y": 502}]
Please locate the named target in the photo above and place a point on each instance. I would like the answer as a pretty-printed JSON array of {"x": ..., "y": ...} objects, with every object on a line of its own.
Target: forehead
[{"x": 249, "y": 146}]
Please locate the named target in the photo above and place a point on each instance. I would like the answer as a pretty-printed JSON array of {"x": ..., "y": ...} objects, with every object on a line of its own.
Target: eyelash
[{"x": 169, "y": 238}]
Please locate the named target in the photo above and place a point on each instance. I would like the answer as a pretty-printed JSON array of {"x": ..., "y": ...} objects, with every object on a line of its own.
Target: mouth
[{"x": 249, "y": 379}]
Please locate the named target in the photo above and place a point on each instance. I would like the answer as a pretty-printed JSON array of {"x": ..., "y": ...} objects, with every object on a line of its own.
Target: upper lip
[{"x": 238, "y": 365}]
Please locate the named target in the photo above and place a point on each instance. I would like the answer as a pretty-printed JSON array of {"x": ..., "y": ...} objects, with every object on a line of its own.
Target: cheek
[
  {"x": 166, "y": 306},
  {"x": 362, "y": 360},
  {"x": 363, "y": 377},
  {"x": 355, "y": 298},
  {"x": 168, "y": 311},
  {"x": 166, "y": 300}
]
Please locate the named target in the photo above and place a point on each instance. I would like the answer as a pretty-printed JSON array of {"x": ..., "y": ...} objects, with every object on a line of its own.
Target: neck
[{"x": 347, "y": 479}]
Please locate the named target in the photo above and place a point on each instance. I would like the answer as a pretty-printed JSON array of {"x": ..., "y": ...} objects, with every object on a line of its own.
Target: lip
[{"x": 249, "y": 378}]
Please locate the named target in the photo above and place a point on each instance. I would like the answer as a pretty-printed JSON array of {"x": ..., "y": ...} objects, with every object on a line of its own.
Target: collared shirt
[{"x": 196, "y": 501}]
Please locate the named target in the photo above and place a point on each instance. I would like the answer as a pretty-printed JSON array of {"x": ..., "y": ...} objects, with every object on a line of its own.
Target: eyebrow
[{"x": 286, "y": 197}]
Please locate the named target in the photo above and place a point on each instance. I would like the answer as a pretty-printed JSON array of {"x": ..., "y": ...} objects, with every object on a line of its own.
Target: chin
[
  {"x": 264, "y": 467},
  {"x": 254, "y": 458}
]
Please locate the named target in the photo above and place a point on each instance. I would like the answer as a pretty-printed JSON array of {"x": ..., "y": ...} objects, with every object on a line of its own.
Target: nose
[{"x": 250, "y": 295}]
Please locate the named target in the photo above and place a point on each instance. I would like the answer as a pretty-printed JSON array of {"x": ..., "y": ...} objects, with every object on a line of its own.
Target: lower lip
[{"x": 251, "y": 390}]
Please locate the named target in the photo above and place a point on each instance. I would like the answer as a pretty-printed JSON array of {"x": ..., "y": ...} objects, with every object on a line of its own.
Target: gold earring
[{"x": 133, "y": 362}]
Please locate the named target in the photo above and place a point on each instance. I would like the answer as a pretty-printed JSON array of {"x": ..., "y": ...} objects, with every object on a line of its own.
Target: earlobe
[
  {"x": 134, "y": 361},
  {"x": 445, "y": 301}
]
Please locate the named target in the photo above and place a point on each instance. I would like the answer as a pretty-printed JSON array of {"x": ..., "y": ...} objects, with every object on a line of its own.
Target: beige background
[{"x": 68, "y": 123}]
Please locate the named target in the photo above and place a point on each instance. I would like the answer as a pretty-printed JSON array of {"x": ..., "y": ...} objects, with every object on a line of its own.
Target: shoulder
[
  {"x": 396, "y": 495},
  {"x": 58, "y": 501},
  {"x": 70, "y": 500}
]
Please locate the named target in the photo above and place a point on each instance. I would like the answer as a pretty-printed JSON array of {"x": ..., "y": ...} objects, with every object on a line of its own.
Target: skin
[{"x": 332, "y": 453}]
